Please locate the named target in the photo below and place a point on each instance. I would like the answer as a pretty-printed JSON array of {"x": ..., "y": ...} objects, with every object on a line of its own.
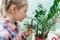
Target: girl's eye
[{"x": 25, "y": 10}]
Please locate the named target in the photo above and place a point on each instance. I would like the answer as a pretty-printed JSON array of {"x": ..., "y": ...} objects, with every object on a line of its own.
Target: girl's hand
[{"x": 28, "y": 31}]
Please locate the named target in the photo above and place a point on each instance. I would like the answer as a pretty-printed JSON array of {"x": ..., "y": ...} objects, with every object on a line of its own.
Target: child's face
[
  {"x": 21, "y": 13},
  {"x": 18, "y": 14}
]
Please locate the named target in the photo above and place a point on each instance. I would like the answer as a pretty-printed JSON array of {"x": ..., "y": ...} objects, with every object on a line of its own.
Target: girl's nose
[{"x": 25, "y": 15}]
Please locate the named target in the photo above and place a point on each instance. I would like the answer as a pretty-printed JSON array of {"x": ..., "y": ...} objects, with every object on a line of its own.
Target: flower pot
[{"x": 36, "y": 38}]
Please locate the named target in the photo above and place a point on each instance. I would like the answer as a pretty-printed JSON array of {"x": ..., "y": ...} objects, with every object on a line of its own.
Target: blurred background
[{"x": 32, "y": 5}]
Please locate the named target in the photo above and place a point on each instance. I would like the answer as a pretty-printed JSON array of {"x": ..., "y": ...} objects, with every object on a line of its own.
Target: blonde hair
[{"x": 7, "y": 3}]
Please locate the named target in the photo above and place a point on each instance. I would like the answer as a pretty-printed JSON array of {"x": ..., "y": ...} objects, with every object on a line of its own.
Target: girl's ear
[{"x": 13, "y": 8}]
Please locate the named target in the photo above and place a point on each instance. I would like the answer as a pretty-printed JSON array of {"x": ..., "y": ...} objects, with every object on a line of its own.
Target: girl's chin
[{"x": 20, "y": 20}]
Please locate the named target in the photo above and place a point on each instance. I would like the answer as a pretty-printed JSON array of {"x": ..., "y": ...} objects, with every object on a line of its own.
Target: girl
[{"x": 15, "y": 10}]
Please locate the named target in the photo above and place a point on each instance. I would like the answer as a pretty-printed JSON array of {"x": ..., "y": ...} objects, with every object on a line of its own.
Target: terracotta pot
[{"x": 40, "y": 38}]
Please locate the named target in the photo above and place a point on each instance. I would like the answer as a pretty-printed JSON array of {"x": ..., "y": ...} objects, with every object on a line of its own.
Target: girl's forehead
[{"x": 25, "y": 5}]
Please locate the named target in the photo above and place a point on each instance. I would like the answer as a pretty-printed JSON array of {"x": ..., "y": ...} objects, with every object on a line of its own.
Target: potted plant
[{"x": 44, "y": 23}]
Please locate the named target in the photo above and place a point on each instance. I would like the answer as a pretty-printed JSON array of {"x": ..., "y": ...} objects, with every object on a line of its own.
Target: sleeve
[
  {"x": 23, "y": 36},
  {"x": 4, "y": 35},
  {"x": 20, "y": 36},
  {"x": 2, "y": 38}
]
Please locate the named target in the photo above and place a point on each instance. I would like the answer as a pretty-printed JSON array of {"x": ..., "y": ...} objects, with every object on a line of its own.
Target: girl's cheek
[
  {"x": 30, "y": 32},
  {"x": 25, "y": 15}
]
